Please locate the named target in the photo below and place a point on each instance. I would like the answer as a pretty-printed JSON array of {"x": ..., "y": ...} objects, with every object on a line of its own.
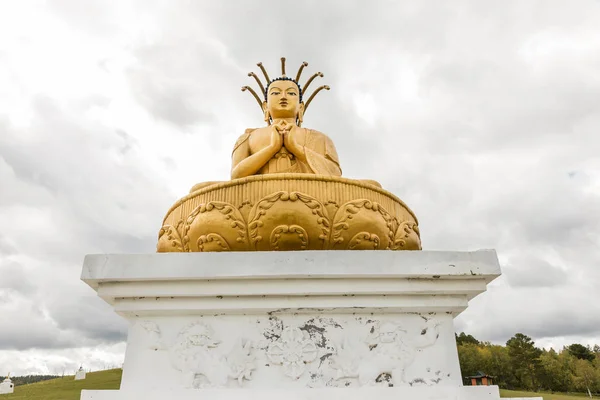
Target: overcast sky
[{"x": 483, "y": 116}]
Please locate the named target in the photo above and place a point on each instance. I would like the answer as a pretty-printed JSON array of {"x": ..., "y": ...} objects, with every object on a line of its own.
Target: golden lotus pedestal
[{"x": 289, "y": 212}]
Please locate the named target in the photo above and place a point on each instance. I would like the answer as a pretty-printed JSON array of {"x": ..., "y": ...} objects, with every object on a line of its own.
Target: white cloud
[{"x": 482, "y": 117}]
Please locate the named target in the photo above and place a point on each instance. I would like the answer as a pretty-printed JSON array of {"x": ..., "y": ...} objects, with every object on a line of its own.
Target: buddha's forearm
[
  {"x": 297, "y": 151},
  {"x": 252, "y": 164}
]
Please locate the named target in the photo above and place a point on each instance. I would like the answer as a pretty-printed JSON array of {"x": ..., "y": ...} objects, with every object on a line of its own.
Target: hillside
[
  {"x": 546, "y": 396},
  {"x": 69, "y": 389},
  {"x": 66, "y": 388}
]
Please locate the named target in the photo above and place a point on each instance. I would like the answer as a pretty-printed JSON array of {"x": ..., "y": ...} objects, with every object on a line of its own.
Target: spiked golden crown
[{"x": 301, "y": 88}]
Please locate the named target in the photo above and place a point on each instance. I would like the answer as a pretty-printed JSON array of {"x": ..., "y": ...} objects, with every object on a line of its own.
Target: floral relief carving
[
  {"x": 198, "y": 356},
  {"x": 171, "y": 238},
  {"x": 360, "y": 213},
  {"x": 331, "y": 206},
  {"x": 216, "y": 226},
  {"x": 364, "y": 241},
  {"x": 212, "y": 242},
  {"x": 289, "y": 221},
  {"x": 153, "y": 335},
  {"x": 292, "y": 351},
  {"x": 287, "y": 234},
  {"x": 241, "y": 361},
  {"x": 245, "y": 207},
  {"x": 319, "y": 352},
  {"x": 389, "y": 350},
  {"x": 295, "y": 209},
  {"x": 407, "y": 237}
]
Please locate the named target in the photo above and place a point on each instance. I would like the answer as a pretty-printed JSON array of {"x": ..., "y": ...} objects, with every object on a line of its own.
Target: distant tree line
[
  {"x": 25, "y": 380},
  {"x": 521, "y": 365}
]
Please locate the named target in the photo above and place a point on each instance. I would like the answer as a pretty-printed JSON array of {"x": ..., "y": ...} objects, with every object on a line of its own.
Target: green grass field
[
  {"x": 66, "y": 388},
  {"x": 69, "y": 389},
  {"x": 546, "y": 396}
]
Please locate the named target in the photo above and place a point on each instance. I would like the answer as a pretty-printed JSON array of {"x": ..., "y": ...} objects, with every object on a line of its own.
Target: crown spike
[
  {"x": 312, "y": 78},
  {"x": 264, "y": 71},
  {"x": 248, "y": 88},
  {"x": 304, "y": 64},
  {"x": 262, "y": 88},
  {"x": 282, "y": 66},
  {"x": 314, "y": 94}
]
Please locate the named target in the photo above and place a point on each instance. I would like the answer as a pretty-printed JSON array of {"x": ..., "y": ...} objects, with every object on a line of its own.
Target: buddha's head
[
  {"x": 283, "y": 99},
  {"x": 283, "y": 96}
]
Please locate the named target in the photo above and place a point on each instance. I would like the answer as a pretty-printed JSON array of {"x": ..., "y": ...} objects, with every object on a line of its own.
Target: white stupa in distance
[
  {"x": 7, "y": 386},
  {"x": 80, "y": 374}
]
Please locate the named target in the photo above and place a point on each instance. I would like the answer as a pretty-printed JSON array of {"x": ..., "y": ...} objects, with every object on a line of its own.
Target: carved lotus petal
[
  {"x": 362, "y": 224},
  {"x": 407, "y": 237},
  {"x": 216, "y": 226},
  {"x": 288, "y": 221}
]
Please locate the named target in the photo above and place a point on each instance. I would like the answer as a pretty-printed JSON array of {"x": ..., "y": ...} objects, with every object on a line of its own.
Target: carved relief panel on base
[{"x": 296, "y": 351}]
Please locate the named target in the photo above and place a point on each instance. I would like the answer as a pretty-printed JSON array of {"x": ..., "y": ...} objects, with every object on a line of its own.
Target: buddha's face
[{"x": 283, "y": 100}]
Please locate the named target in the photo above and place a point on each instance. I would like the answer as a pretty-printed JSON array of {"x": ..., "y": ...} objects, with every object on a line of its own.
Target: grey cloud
[
  {"x": 91, "y": 318},
  {"x": 15, "y": 277},
  {"x": 25, "y": 326},
  {"x": 538, "y": 312},
  {"x": 169, "y": 101},
  {"x": 480, "y": 114},
  {"x": 567, "y": 323},
  {"x": 129, "y": 141},
  {"x": 533, "y": 272},
  {"x": 6, "y": 247},
  {"x": 83, "y": 180},
  {"x": 68, "y": 197},
  {"x": 169, "y": 163}
]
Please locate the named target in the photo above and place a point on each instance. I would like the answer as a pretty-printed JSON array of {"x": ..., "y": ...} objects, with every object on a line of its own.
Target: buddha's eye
[
  {"x": 291, "y": 93},
  {"x": 275, "y": 93}
]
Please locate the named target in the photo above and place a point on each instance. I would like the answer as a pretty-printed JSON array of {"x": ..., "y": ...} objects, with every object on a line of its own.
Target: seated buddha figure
[
  {"x": 286, "y": 190},
  {"x": 283, "y": 146}
]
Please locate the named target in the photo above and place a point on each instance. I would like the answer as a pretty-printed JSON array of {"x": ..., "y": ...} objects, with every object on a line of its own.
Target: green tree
[
  {"x": 587, "y": 378},
  {"x": 525, "y": 360},
  {"x": 521, "y": 365},
  {"x": 470, "y": 359},
  {"x": 555, "y": 373},
  {"x": 465, "y": 339},
  {"x": 581, "y": 352},
  {"x": 498, "y": 364}
]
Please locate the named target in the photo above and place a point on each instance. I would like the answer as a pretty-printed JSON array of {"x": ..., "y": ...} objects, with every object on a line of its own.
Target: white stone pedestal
[{"x": 293, "y": 325}]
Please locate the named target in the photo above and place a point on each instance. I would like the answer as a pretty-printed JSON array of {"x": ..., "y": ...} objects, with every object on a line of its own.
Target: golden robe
[{"x": 320, "y": 152}]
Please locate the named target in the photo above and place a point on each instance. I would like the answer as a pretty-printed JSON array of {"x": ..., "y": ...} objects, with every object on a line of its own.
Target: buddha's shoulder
[
  {"x": 246, "y": 135},
  {"x": 256, "y": 132},
  {"x": 315, "y": 134}
]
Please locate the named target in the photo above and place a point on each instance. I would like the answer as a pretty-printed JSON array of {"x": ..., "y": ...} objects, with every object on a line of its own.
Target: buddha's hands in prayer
[
  {"x": 284, "y": 129},
  {"x": 276, "y": 138},
  {"x": 287, "y": 132}
]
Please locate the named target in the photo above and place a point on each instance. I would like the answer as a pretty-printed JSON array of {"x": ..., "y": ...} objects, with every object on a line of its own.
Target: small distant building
[
  {"x": 7, "y": 386},
  {"x": 480, "y": 379},
  {"x": 80, "y": 374}
]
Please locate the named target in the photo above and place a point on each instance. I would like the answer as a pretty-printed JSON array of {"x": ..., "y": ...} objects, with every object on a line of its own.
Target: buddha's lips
[{"x": 283, "y": 103}]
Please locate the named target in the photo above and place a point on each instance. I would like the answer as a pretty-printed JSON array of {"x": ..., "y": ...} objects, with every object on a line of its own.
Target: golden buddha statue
[
  {"x": 283, "y": 146},
  {"x": 286, "y": 191}
]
